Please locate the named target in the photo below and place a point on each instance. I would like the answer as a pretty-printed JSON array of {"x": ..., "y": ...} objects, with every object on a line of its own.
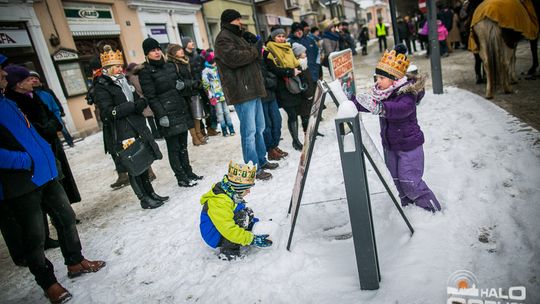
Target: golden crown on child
[
  {"x": 393, "y": 64},
  {"x": 108, "y": 57},
  {"x": 241, "y": 173}
]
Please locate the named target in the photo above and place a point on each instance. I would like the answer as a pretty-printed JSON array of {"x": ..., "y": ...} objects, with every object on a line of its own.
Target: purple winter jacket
[{"x": 399, "y": 126}]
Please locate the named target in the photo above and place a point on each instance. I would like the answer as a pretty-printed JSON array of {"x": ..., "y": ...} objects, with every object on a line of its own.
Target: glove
[
  {"x": 140, "y": 104},
  {"x": 261, "y": 241},
  {"x": 213, "y": 101},
  {"x": 369, "y": 103},
  {"x": 249, "y": 37},
  {"x": 180, "y": 85},
  {"x": 164, "y": 121}
]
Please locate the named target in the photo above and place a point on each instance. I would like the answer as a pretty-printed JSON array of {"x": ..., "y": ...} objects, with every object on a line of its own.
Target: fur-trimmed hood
[{"x": 415, "y": 84}]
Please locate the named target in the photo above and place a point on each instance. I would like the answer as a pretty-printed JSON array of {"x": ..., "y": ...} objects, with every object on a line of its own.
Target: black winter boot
[
  {"x": 184, "y": 160},
  {"x": 149, "y": 190},
  {"x": 293, "y": 129},
  {"x": 146, "y": 201}
]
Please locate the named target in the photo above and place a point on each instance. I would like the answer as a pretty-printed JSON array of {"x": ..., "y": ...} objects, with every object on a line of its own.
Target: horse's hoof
[{"x": 489, "y": 96}]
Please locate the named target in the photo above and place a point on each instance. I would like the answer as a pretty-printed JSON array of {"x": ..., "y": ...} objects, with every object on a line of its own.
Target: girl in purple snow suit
[{"x": 394, "y": 98}]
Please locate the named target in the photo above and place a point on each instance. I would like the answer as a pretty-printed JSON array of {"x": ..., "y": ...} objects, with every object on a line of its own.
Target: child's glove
[
  {"x": 367, "y": 102},
  {"x": 261, "y": 241},
  {"x": 213, "y": 101}
]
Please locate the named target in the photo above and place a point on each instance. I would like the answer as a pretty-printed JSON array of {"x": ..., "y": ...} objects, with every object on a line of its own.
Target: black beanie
[
  {"x": 150, "y": 44},
  {"x": 296, "y": 27},
  {"x": 229, "y": 15}
]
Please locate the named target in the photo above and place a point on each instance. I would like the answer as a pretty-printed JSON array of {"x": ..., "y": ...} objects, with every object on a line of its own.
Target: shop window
[
  {"x": 90, "y": 48},
  {"x": 87, "y": 113},
  {"x": 369, "y": 17},
  {"x": 186, "y": 30}
]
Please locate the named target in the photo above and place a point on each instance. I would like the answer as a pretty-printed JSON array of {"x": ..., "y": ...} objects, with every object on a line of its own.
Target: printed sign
[{"x": 341, "y": 67}]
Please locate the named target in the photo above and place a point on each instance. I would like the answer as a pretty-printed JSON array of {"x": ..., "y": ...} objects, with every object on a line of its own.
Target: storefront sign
[
  {"x": 65, "y": 54},
  {"x": 158, "y": 32},
  {"x": 80, "y": 13},
  {"x": 14, "y": 38}
]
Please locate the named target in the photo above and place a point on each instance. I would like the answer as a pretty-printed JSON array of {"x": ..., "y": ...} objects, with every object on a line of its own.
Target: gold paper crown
[
  {"x": 108, "y": 57},
  {"x": 242, "y": 174},
  {"x": 395, "y": 65}
]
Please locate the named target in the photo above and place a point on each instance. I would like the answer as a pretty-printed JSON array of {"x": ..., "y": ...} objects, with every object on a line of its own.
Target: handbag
[{"x": 138, "y": 157}]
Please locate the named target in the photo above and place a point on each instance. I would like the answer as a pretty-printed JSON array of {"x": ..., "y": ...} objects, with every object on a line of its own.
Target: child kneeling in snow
[
  {"x": 394, "y": 98},
  {"x": 226, "y": 222}
]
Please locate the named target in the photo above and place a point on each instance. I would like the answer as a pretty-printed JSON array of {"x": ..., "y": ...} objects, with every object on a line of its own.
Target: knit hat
[
  {"x": 150, "y": 44},
  {"x": 393, "y": 64},
  {"x": 185, "y": 40},
  {"x": 35, "y": 74},
  {"x": 172, "y": 49},
  {"x": 229, "y": 15},
  {"x": 278, "y": 31},
  {"x": 296, "y": 26},
  {"x": 298, "y": 49},
  {"x": 242, "y": 176},
  {"x": 16, "y": 74},
  {"x": 209, "y": 57}
]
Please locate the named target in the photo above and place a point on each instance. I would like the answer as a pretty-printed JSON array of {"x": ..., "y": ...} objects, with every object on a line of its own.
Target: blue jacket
[
  {"x": 48, "y": 100},
  {"x": 312, "y": 52},
  {"x": 26, "y": 159}
]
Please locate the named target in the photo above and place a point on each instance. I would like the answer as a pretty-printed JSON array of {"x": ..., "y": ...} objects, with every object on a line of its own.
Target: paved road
[{"x": 458, "y": 71}]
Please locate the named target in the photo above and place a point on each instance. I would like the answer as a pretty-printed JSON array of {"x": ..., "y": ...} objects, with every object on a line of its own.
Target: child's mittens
[
  {"x": 213, "y": 101},
  {"x": 261, "y": 241},
  {"x": 367, "y": 102}
]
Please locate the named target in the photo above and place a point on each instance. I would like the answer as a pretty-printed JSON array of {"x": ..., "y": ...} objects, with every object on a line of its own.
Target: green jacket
[{"x": 221, "y": 212}]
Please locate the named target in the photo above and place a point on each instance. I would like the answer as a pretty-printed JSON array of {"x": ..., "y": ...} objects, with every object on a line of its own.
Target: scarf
[
  {"x": 284, "y": 53},
  {"x": 331, "y": 35},
  {"x": 179, "y": 60},
  {"x": 121, "y": 81},
  {"x": 379, "y": 95},
  {"x": 156, "y": 63},
  {"x": 228, "y": 188}
]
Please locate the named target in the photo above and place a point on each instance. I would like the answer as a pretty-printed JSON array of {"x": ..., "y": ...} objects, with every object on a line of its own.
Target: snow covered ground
[{"x": 483, "y": 164}]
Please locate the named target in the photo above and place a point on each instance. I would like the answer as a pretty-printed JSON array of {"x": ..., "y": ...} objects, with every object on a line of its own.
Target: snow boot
[
  {"x": 85, "y": 266},
  {"x": 273, "y": 154},
  {"x": 212, "y": 132},
  {"x": 283, "y": 153},
  {"x": 151, "y": 174},
  {"x": 121, "y": 181},
  {"x": 147, "y": 202},
  {"x": 263, "y": 175},
  {"x": 195, "y": 139},
  {"x": 199, "y": 132},
  {"x": 270, "y": 166},
  {"x": 57, "y": 294},
  {"x": 293, "y": 129},
  {"x": 149, "y": 190}
]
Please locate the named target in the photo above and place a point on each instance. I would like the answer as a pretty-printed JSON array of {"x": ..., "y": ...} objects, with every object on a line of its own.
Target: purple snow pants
[{"x": 407, "y": 168}]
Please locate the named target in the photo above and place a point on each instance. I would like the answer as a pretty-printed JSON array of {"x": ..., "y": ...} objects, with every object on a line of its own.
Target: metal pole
[
  {"x": 255, "y": 18},
  {"x": 434, "y": 49},
  {"x": 394, "y": 22}
]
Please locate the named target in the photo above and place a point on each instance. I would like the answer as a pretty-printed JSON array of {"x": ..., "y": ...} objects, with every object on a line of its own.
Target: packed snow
[{"x": 482, "y": 163}]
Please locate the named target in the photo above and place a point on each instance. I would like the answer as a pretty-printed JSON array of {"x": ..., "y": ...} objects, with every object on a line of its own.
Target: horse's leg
[
  {"x": 508, "y": 64},
  {"x": 481, "y": 30}
]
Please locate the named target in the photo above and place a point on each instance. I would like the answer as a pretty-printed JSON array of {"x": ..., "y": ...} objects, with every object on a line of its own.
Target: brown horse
[{"x": 496, "y": 28}]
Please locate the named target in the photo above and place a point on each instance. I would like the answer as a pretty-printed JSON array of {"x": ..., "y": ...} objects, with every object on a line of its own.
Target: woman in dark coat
[
  {"x": 122, "y": 108},
  {"x": 280, "y": 60},
  {"x": 161, "y": 85}
]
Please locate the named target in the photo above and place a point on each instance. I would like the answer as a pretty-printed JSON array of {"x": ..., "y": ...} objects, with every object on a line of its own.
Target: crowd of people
[{"x": 175, "y": 92}]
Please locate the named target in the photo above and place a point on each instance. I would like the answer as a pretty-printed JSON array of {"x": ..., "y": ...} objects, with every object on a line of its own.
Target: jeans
[
  {"x": 272, "y": 121},
  {"x": 224, "y": 117},
  {"x": 27, "y": 210},
  {"x": 251, "y": 116}
]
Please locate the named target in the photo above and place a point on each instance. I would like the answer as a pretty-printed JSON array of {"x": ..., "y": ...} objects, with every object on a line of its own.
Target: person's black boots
[
  {"x": 147, "y": 185},
  {"x": 293, "y": 129},
  {"x": 184, "y": 160},
  {"x": 146, "y": 201}
]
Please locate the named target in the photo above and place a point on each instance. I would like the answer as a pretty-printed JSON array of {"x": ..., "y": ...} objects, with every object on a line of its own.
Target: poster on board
[{"x": 342, "y": 68}]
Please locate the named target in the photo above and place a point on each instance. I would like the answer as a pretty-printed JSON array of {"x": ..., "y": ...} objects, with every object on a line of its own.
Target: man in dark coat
[
  {"x": 238, "y": 60},
  {"x": 347, "y": 40},
  {"x": 160, "y": 84},
  {"x": 28, "y": 181},
  {"x": 312, "y": 49}
]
